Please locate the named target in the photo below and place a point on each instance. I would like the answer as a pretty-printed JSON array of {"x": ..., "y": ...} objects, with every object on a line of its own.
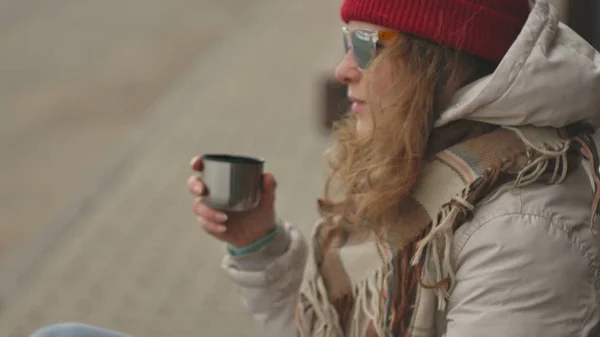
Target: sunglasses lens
[{"x": 363, "y": 48}]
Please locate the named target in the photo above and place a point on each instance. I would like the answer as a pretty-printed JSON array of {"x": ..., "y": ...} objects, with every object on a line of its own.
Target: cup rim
[{"x": 232, "y": 158}]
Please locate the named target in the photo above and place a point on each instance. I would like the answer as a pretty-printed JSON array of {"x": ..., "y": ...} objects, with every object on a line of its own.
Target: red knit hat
[{"x": 486, "y": 28}]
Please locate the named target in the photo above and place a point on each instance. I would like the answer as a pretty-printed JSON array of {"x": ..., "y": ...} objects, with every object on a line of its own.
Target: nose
[{"x": 347, "y": 70}]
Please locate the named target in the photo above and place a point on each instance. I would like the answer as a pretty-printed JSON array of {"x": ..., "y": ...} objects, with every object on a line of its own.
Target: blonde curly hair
[{"x": 371, "y": 176}]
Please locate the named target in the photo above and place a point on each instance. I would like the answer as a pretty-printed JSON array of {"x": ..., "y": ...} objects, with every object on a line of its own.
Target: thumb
[{"x": 269, "y": 187}]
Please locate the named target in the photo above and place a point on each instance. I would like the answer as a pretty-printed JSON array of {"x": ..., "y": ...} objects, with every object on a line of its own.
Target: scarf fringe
[
  {"x": 437, "y": 269},
  {"x": 325, "y": 317},
  {"x": 589, "y": 150},
  {"x": 366, "y": 295},
  {"x": 367, "y": 307}
]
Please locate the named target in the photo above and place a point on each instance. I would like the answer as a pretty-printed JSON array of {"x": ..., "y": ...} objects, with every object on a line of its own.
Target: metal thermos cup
[{"x": 234, "y": 182}]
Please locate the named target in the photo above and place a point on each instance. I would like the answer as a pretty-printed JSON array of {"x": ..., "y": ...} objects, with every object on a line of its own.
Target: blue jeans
[{"x": 75, "y": 330}]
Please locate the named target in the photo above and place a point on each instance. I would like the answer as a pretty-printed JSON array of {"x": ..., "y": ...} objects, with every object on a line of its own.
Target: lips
[
  {"x": 355, "y": 100},
  {"x": 358, "y": 105}
]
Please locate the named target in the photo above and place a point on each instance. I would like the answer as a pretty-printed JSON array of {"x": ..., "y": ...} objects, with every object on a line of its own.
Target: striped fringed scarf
[{"x": 361, "y": 285}]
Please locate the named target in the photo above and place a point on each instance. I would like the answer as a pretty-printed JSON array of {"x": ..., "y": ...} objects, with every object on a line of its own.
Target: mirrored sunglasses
[{"x": 365, "y": 44}]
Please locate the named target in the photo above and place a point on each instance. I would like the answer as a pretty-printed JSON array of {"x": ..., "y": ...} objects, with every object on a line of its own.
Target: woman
[{"x": 458, "y": 203}]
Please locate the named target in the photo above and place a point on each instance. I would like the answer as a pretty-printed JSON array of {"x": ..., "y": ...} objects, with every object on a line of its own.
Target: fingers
[
  {"x": 196, "y": 186},
  {"x": 196, "y": 163},
  {"x": 212, "y": 227},
  {"x": 211, "y": 215},
  {"x": 210, "y": 219}
]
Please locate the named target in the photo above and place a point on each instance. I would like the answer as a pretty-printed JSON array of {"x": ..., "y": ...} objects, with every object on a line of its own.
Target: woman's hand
[{"x": 238, "y": 229}]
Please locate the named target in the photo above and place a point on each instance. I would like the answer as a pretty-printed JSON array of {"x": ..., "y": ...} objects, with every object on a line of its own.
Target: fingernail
[
  {"x": 221, "y": 216},
  {"x": 199, "y": 189},
  {"x": 193, "y": 160},
  {"x": 221, "y": 229}
]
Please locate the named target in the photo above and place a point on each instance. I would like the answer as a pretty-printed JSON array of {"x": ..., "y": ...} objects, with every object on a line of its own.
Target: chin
[{"x": 363, "y": 128}]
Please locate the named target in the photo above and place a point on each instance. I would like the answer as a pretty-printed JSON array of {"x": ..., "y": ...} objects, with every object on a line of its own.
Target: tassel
[{"x": 590, "y": 153}]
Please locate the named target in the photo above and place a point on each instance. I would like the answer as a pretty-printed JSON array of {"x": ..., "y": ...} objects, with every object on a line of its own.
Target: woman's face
[{"x": 348, "y": 72}]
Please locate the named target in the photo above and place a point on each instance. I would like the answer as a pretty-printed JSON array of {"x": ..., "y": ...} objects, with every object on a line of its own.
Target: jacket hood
[{"x": 550, "y": 76}]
